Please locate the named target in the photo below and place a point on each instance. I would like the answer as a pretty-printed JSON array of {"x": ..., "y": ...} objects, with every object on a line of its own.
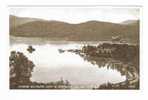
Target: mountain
[
  {"x": 16, "y": 21},
  {"x": 87, "y": 31},
  {"x": 127, "y": 22}
]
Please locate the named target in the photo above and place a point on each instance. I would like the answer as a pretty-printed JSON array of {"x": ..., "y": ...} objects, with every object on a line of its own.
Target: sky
[{"x": 78, "y": 14}]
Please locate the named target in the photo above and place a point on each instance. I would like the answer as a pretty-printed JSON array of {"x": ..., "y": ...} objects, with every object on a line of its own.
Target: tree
[{"x": 20, "y": 69}]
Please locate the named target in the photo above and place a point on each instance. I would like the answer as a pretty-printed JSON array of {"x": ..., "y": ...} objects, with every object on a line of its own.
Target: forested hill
[{"x": 86, "y": 31}]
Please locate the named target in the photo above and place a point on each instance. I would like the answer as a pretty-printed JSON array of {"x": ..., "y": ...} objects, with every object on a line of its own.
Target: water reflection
[
  {"x": 109, "y": 63},
  {"x": 79, "y": 71}
]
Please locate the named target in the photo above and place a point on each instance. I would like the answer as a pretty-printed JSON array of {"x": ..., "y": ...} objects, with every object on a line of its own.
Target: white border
[{"x": 7, "y": 94}]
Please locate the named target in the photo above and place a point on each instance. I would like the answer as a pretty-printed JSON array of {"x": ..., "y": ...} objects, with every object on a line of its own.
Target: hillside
[
  {"x": 16, "y": 21},
  {"x": 87, "y": 31}
]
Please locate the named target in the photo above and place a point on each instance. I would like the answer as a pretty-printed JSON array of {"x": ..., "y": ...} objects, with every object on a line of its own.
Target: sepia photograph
[{"x": 74, "y": 47}]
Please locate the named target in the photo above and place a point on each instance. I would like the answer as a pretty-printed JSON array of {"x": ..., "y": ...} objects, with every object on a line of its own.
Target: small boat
[{"x": 30, "y": 49}]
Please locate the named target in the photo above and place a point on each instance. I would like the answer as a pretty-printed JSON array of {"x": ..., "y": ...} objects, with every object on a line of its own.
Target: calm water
[{"x": 52, "y": 66}]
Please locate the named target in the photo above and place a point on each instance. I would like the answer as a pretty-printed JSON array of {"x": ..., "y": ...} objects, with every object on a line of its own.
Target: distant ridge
[
  {"x": 86, "y": 31},
  {"x": 130, "y": 22}
]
